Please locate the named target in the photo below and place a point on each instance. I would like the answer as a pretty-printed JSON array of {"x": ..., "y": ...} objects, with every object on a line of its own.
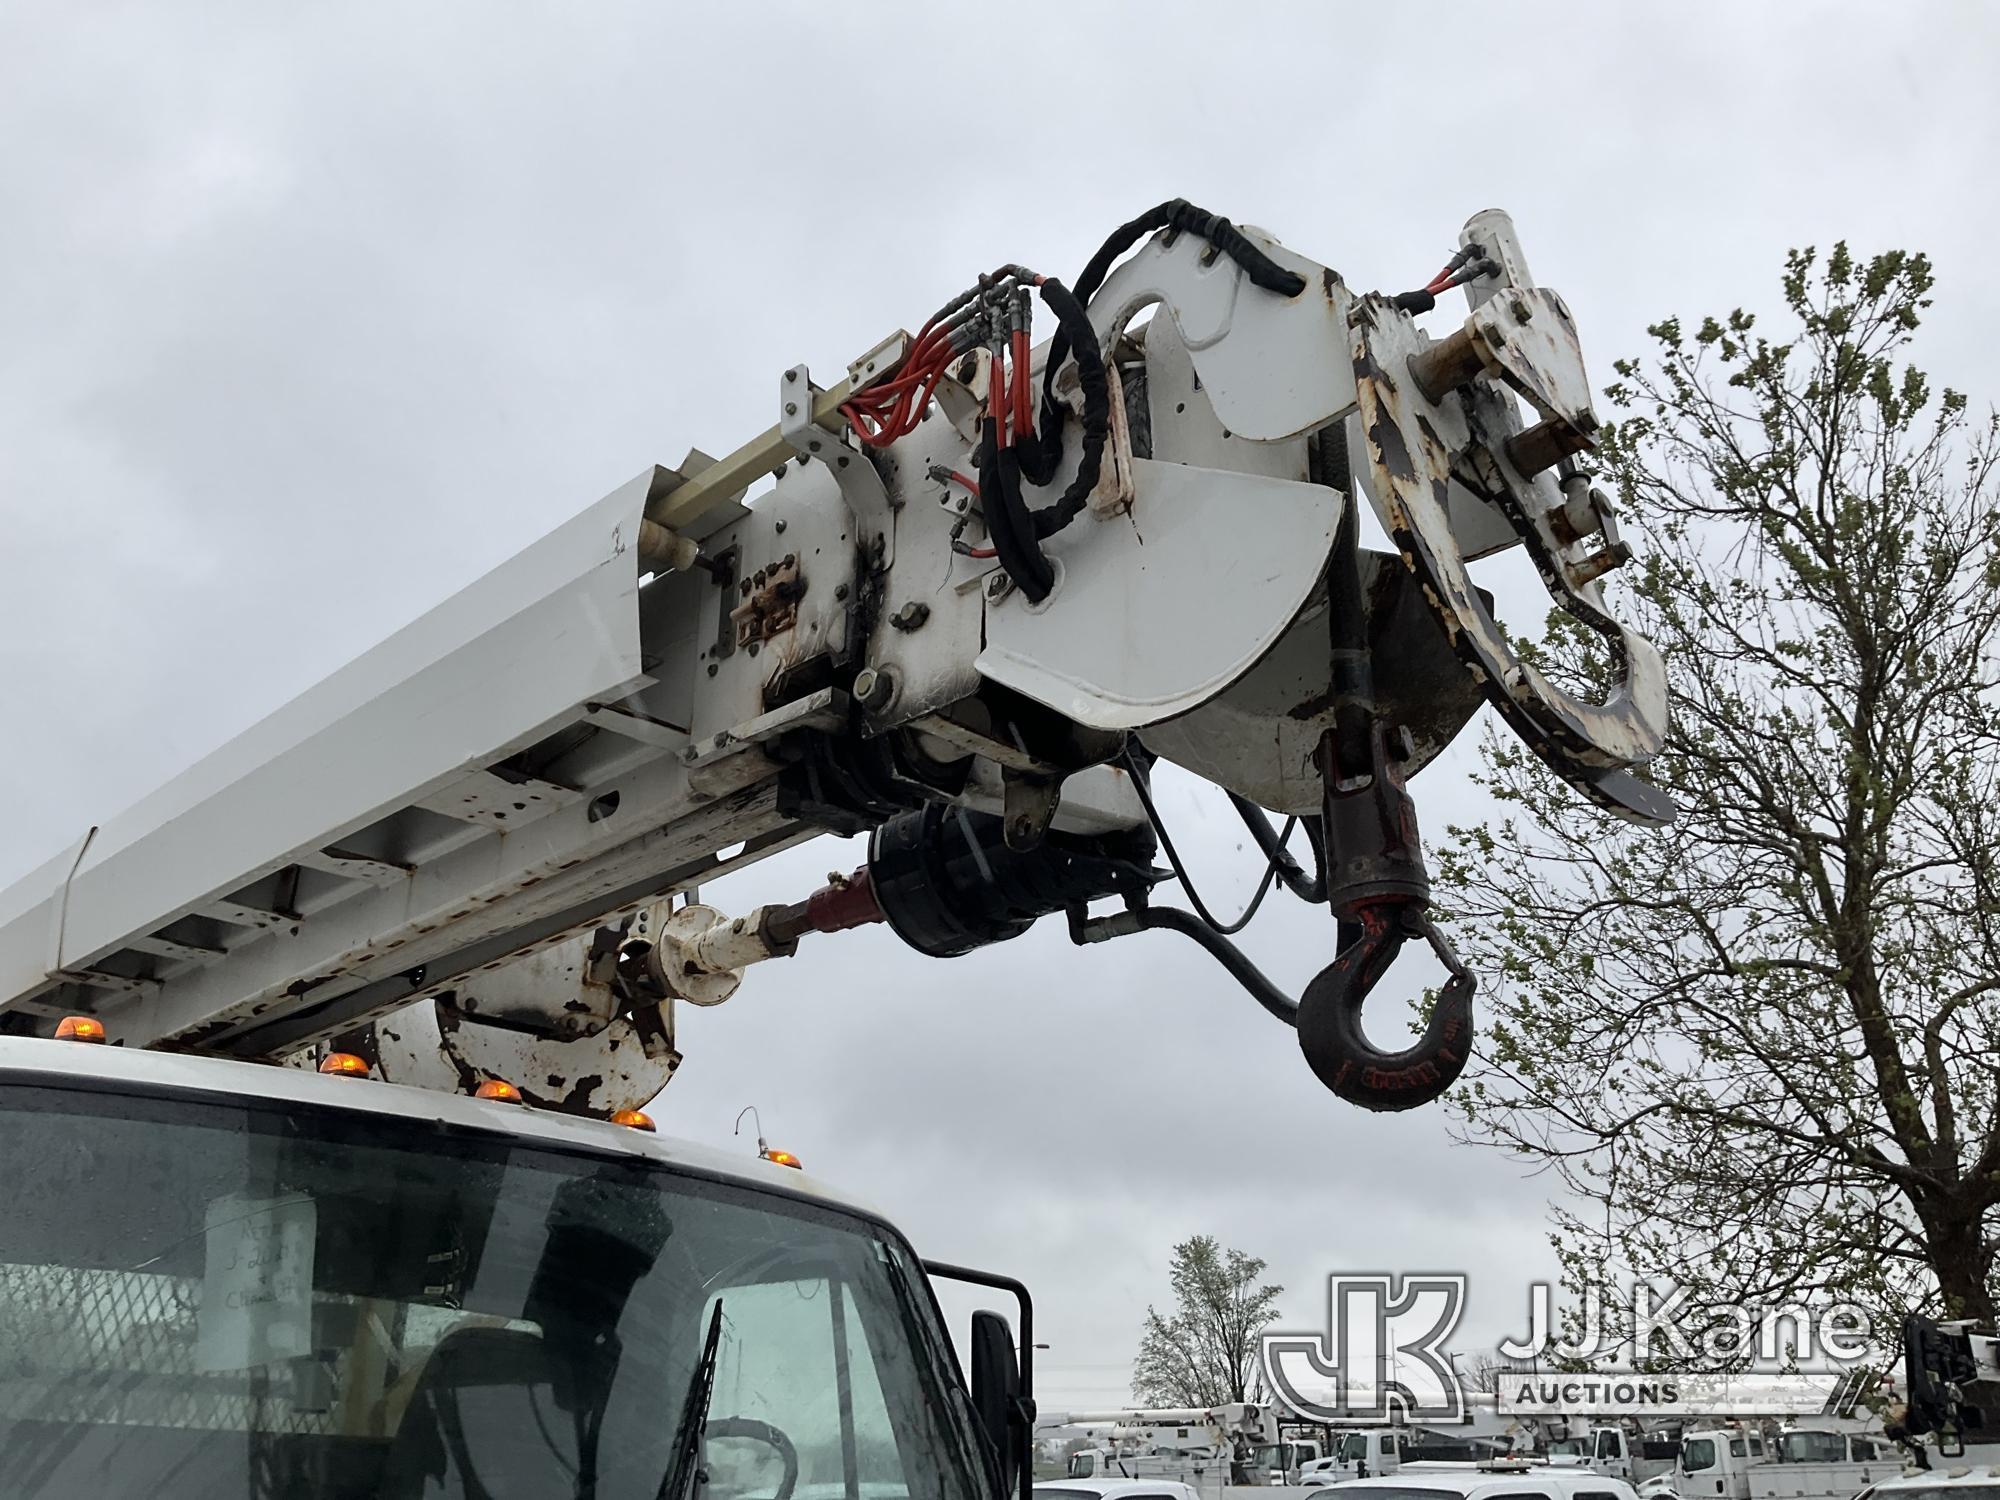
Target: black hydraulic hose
[
  {"x": 1017, "y": 531},
  {"x": 1310, "y": 888},
  {"x": 1347, "y": 630},
  {"x": 1178, "y": 213},
  {"x": 1095, "y": 382},
  {"x": 1224, "y": 952},
  {"x": 1008, "y": 523},
  {"x": 1039, "y": 462},
  {"x": 1142, "y": 783}
]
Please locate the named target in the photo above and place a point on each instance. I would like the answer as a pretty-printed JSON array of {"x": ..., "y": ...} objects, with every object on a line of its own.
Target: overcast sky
[{"x": 310, "y": 316}]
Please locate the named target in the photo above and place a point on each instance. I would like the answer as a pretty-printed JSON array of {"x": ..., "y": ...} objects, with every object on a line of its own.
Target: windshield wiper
[{"x": 694, "y": 1416}]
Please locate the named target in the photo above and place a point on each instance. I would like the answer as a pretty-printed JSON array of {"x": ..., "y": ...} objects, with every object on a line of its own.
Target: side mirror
[
  {"x": 1003, "y": 1392},
  {"x": 996, "y": 1392}
]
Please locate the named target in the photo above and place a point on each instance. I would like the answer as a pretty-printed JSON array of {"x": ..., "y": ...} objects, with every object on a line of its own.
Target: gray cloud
[{"x": 306, "y": 322}]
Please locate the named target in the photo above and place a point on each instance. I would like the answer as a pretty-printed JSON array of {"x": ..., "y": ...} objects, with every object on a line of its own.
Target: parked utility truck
[
  {"x": 338, "y": 1183},
  {"x": 1237, "y": 1443}
]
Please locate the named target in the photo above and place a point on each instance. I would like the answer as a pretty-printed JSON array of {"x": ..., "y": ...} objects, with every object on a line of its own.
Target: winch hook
[
  {"x": 1329, "y": 1018},
  {"x": 1376, "y": 882}
]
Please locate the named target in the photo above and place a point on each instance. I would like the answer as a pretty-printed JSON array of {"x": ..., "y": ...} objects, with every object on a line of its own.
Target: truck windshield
[
  {"x": 1697, "y": 1454},
  {"x": 221, "y": 1299}
]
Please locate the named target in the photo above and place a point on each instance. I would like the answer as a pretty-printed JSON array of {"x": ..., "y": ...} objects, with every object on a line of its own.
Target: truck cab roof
[
  {"x": 1489, "y": 1482},
  {"x": 1115, "y": 1489},
  {"x": 1960, "y": 1478},
  {"x": 34, "y": 1062}
]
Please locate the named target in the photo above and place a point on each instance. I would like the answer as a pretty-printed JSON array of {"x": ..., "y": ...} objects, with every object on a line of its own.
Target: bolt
[
  {"x": 744, "y": 587},
  {"x": 790, "y": 559},
  {"x": 468, "y": 1005},
  {"x": 1523, "y": 310},
  {"x": 779, "y": 472},
  {"x": 874, "y": 688},
  {"x": 737, "y": 925},
  {"x": 814, "y": 445},
  {"x": 911, "y": 615},
  {"x": 713, "y": 669},
  {"x": 753, "y": 648},
  {"x": 791, "y": 375},
  {"x": 779, "y": 525},
  {"x": 998, "y": 587},
  {"x": 791, "y": 408},
  {"x": 839, "y": 592}
]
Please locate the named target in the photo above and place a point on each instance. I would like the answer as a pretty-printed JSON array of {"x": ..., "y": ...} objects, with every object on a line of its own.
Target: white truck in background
[
  {"x": 1806, "y": 1462},
  {"x": 1238, "y": 1443},
  {"x": 1745, "y": 1461},
  {"x": 1370, "y": 1453}
]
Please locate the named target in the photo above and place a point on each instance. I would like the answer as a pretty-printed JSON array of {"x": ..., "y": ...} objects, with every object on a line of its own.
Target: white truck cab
[
  {"x": 1632, "y": 1456},
  {"x": 1960, "y": 1482},
  {"x": 1808, "y": 1463},
  {"x": 1116, "y": 1489},
  {"x": 225, "y": 1280},
  {"x": 1379, "y": 1451},
  {"x": 1717, "y": 1461},
  {"x": 1362, "y": 1455},
  {"x": 1506, "y": 1480}
]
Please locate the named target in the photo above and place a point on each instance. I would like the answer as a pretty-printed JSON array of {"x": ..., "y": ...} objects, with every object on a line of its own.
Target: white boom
[{"x": 945, "y": 636}]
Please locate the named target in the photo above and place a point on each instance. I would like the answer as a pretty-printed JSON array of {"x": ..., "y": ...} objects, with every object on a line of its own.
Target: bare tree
[
  {"x": 1761, "y": 1046},
  {"x": 1204, "y": 1352}
]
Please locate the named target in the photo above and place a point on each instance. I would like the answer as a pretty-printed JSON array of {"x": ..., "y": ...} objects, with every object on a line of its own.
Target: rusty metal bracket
[{"x": 1432, "y": 416}]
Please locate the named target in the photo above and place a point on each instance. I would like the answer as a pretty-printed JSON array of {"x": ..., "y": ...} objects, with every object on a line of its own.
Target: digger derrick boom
[{"x": 971, "y": 600}]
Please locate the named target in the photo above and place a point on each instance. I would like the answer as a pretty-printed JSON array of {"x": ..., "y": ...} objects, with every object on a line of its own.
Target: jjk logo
[{"x": 1381, "y": 1355}]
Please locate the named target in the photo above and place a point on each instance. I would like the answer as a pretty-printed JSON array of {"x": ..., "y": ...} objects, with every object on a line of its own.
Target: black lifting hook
[
  {"x": 1329, "y": 1018},
  {"x": 1375, "y": 879}
]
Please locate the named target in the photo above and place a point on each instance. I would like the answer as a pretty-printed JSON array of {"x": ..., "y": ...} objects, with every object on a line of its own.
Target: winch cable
[
  {"x": 1278, "y": 862},
  {"x": 1310, "y": 889}
]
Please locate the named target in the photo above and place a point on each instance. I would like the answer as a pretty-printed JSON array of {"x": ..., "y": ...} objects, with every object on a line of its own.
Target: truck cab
[
  {"x": 1500, "y": 1480},
  {"x": 1370, "y": 1454},
  {"x": 1714, "y": 1461},
  {"x": 226, "y": 1280},
  {"x": 1631, "y": 1456},
  {"x": 1808, "y": 1463}
]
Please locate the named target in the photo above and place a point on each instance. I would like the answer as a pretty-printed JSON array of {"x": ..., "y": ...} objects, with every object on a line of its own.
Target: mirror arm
[{"x": 1024, "y": 1401}]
